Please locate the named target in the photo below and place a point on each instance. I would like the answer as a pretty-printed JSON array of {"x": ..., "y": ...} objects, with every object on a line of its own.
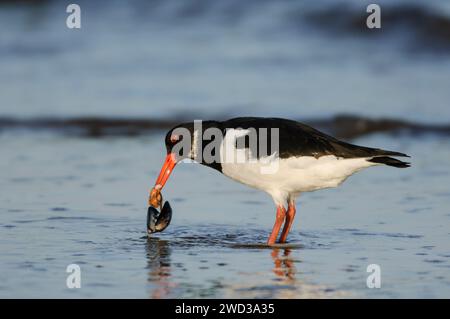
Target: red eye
[{"x": 174, "y": 138}]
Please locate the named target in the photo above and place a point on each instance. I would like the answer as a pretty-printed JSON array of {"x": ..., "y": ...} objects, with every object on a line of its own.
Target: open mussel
[{"x": 158, "y": 221}]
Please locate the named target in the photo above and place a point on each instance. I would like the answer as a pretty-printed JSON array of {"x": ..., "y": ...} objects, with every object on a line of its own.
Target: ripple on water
[
  {"x": 27, "y": 221},
  {"x": 118, "y": 204},
  {"x": 71, "y": 218},
  {"x": 223, "y": 236},
  {"x": 251, "y": 202},
  {"x": 392, "y": 235},
  {"x": 418, "y": 210},
  {"x": 16, "y": 210},
  {"x": 358, "y": 232},
  {"x": 434, "y": 261},
  {"x": 265, "y": 246}
]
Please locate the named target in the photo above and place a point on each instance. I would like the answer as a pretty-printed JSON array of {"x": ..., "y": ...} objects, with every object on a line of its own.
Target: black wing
[{"x": 298, "y": 139}]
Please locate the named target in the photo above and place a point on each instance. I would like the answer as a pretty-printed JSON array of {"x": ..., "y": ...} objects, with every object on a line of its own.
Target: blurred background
[
  {"x": 215, "y": 58},
  {"x": 83, "y": 113}
]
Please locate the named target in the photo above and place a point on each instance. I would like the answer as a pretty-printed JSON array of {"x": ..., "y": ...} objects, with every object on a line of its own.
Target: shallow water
[{"x": 73, "y": 200}]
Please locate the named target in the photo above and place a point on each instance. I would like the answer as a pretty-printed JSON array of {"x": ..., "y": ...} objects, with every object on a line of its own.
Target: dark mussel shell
[
  {"x": 152, "y": 217},
  {"x": 158, "y": 221}
]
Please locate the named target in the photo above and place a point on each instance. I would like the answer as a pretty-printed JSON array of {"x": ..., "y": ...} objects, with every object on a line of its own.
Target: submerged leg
[
  {"x": 281, "y": 214},
  {"x": 288, "y": 223}
]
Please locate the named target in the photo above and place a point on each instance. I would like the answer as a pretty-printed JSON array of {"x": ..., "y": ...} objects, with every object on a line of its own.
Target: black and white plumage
[{"x": 308, "y": 160}]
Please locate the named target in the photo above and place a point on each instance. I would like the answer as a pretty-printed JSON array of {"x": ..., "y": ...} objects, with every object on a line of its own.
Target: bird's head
[
  {"x": 179, "y": 141},
  {"x": 184, "y": 141}
]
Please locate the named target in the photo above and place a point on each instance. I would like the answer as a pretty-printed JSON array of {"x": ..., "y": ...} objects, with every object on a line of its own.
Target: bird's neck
[{"x": 208, "y": 132}]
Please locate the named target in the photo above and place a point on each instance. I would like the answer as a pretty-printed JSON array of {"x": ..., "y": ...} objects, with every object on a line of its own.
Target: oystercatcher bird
[{"x": 306, "y": 159}]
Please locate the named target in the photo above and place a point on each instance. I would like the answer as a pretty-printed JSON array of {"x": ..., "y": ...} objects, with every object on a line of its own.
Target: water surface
[
  {"x": 73, "y": 200},
  {"x": 68, "y": 199}
]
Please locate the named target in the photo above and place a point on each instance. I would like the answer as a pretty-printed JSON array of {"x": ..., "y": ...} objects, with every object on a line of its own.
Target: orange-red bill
[{"x": 166, "y": 169}]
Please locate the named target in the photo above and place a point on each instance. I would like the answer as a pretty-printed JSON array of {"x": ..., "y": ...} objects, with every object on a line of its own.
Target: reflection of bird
[
  {"x": 158, "y": 256},
  {"x": 284, "y": 265},
  {"x": 305, "y": 160}
]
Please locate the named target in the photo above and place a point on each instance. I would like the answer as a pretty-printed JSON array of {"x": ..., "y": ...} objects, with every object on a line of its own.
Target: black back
[
  {"x": 298, "y": 139},
  {"x": 295, "y": 139}
]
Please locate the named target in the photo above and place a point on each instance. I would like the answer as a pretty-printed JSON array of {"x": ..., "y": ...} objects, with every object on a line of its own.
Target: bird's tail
[{"x": 389, "y": 161}]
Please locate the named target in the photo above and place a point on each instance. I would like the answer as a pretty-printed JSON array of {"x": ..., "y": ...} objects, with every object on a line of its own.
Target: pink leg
[
  {"x": 289, "y": 220},
  {"x": 281, "y": 215}
]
